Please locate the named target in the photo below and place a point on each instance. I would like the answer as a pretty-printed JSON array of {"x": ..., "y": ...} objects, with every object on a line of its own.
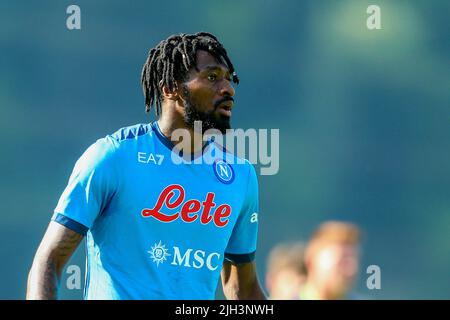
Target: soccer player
[
  {"x": 286, "y": 271},
  {"x": 332, "y": 260},
  {"x": 159, "y": 226}
]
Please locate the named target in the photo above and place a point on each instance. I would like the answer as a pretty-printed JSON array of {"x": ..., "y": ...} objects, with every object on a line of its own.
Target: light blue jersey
[{"x": 156, "y": 229}]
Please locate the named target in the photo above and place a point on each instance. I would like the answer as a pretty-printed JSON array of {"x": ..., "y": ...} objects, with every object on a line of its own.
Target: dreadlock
[{"x": 171, "y": 60}]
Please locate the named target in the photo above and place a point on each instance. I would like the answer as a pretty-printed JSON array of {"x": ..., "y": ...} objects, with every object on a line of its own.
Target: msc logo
[
  {"x": 189, "y": 258},
  {"x": 223, "y": 171},
  {"x": 159, "y": 253}
]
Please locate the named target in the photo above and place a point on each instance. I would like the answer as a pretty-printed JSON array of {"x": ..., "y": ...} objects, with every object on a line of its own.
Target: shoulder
[
  {"x": 127, "y": 137},
  {"x": 130, "y": 133},
  {"x": 105, "y": 149}
]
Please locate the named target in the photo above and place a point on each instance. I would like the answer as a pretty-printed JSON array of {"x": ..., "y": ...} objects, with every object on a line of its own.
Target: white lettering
[
  {"x": 178, "y": 260},
  {"x": 374, "y": 20},
  {"x": 208, "y": 261},
  {"x": 151, "y": 158},
  {"x": 143, "y": 157},
  {"x": 74, "y": 20},
  {"x": 273, "y": 160},
  {"x": 254, "y": 217},
  {"x": 223, "y": 170},
  {"x": 199, "y": 256},
  {"x": 74, "y": 280},
  {"x": 374, "y": 281}
]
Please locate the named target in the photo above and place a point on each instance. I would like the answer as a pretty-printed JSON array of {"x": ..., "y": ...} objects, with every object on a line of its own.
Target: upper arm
[
  {"x": 58, "y": 245},
  {"x": 91, "y": 186}
]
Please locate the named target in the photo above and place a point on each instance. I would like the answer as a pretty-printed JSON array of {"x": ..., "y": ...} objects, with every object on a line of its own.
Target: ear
[{"x": 169, "y": 94}]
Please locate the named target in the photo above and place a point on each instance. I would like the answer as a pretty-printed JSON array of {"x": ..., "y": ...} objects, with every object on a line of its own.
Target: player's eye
[{"x": 212, "y": 77}]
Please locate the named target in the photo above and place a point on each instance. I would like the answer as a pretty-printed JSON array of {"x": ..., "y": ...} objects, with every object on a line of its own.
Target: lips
[
  {"x": 227, "y": 105},
  {"x": 225, "y": 108}
]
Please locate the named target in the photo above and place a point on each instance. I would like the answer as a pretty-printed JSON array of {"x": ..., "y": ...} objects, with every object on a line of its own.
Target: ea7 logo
[{"x": 147, "y": 158}]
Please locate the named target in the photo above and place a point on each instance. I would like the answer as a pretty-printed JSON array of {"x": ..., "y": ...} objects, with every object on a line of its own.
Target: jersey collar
[{"x": 169, "y": 144}]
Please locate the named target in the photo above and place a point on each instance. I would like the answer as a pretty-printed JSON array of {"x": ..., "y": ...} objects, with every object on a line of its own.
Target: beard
[{"x": 209, "y": 119}]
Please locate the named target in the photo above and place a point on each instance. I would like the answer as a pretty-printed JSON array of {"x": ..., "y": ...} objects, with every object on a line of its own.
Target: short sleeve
[
  {"x": 242, "y": 244},
  {"x": 91, "y": 186}
]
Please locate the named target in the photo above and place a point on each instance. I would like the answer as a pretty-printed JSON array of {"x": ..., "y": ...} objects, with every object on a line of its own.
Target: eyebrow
[{"x": 215, "y": 68}]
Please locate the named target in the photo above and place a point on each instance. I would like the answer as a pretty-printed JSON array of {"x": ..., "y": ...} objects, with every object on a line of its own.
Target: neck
[{"x": 172, "y": 120}]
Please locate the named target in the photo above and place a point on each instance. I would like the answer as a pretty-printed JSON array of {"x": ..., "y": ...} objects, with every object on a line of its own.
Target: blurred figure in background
[
  {"x": 286, "y": 271},
  {"x": 332, "y": 262}
]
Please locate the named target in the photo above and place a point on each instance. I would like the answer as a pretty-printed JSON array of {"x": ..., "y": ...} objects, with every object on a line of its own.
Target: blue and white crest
[{"x": 223, "y": 171}]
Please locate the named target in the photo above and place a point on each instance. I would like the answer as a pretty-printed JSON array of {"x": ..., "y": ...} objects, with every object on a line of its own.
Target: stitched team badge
[{"x": 223, "y": 171}]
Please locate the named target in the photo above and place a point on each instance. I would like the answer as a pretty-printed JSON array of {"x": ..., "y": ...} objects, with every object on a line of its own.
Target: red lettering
[
  {"x": 190, "y": 206},
  {"x": 208, "y": 204},
  {"x": 222, "y": 211},
  {"x": 173, "y": 196},
  {"x": 164, "y": 198}
]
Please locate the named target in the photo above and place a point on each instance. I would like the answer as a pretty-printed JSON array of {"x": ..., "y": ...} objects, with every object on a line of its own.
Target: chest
[{"x": 158, "y": 194}]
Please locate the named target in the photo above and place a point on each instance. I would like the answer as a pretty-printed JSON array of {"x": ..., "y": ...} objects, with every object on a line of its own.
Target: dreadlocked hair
[{"x": 171, "y": 60}]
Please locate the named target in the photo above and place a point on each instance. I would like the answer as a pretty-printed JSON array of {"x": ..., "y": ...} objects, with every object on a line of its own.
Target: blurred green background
[{"x": 364, "y": 119}]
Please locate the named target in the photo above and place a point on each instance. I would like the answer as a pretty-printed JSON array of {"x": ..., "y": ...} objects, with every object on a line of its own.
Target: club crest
[{"x": 223, "y": 171}]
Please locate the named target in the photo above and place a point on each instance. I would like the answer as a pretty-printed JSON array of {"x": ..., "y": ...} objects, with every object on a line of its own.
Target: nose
[{"x": 227, "y": 89}]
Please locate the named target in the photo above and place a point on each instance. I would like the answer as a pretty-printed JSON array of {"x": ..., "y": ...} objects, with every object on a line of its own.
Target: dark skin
[
  {"x": 210, "y": 83},
  {"x": 207, "y": 85},
  {"x": 56, "y": 248}
]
